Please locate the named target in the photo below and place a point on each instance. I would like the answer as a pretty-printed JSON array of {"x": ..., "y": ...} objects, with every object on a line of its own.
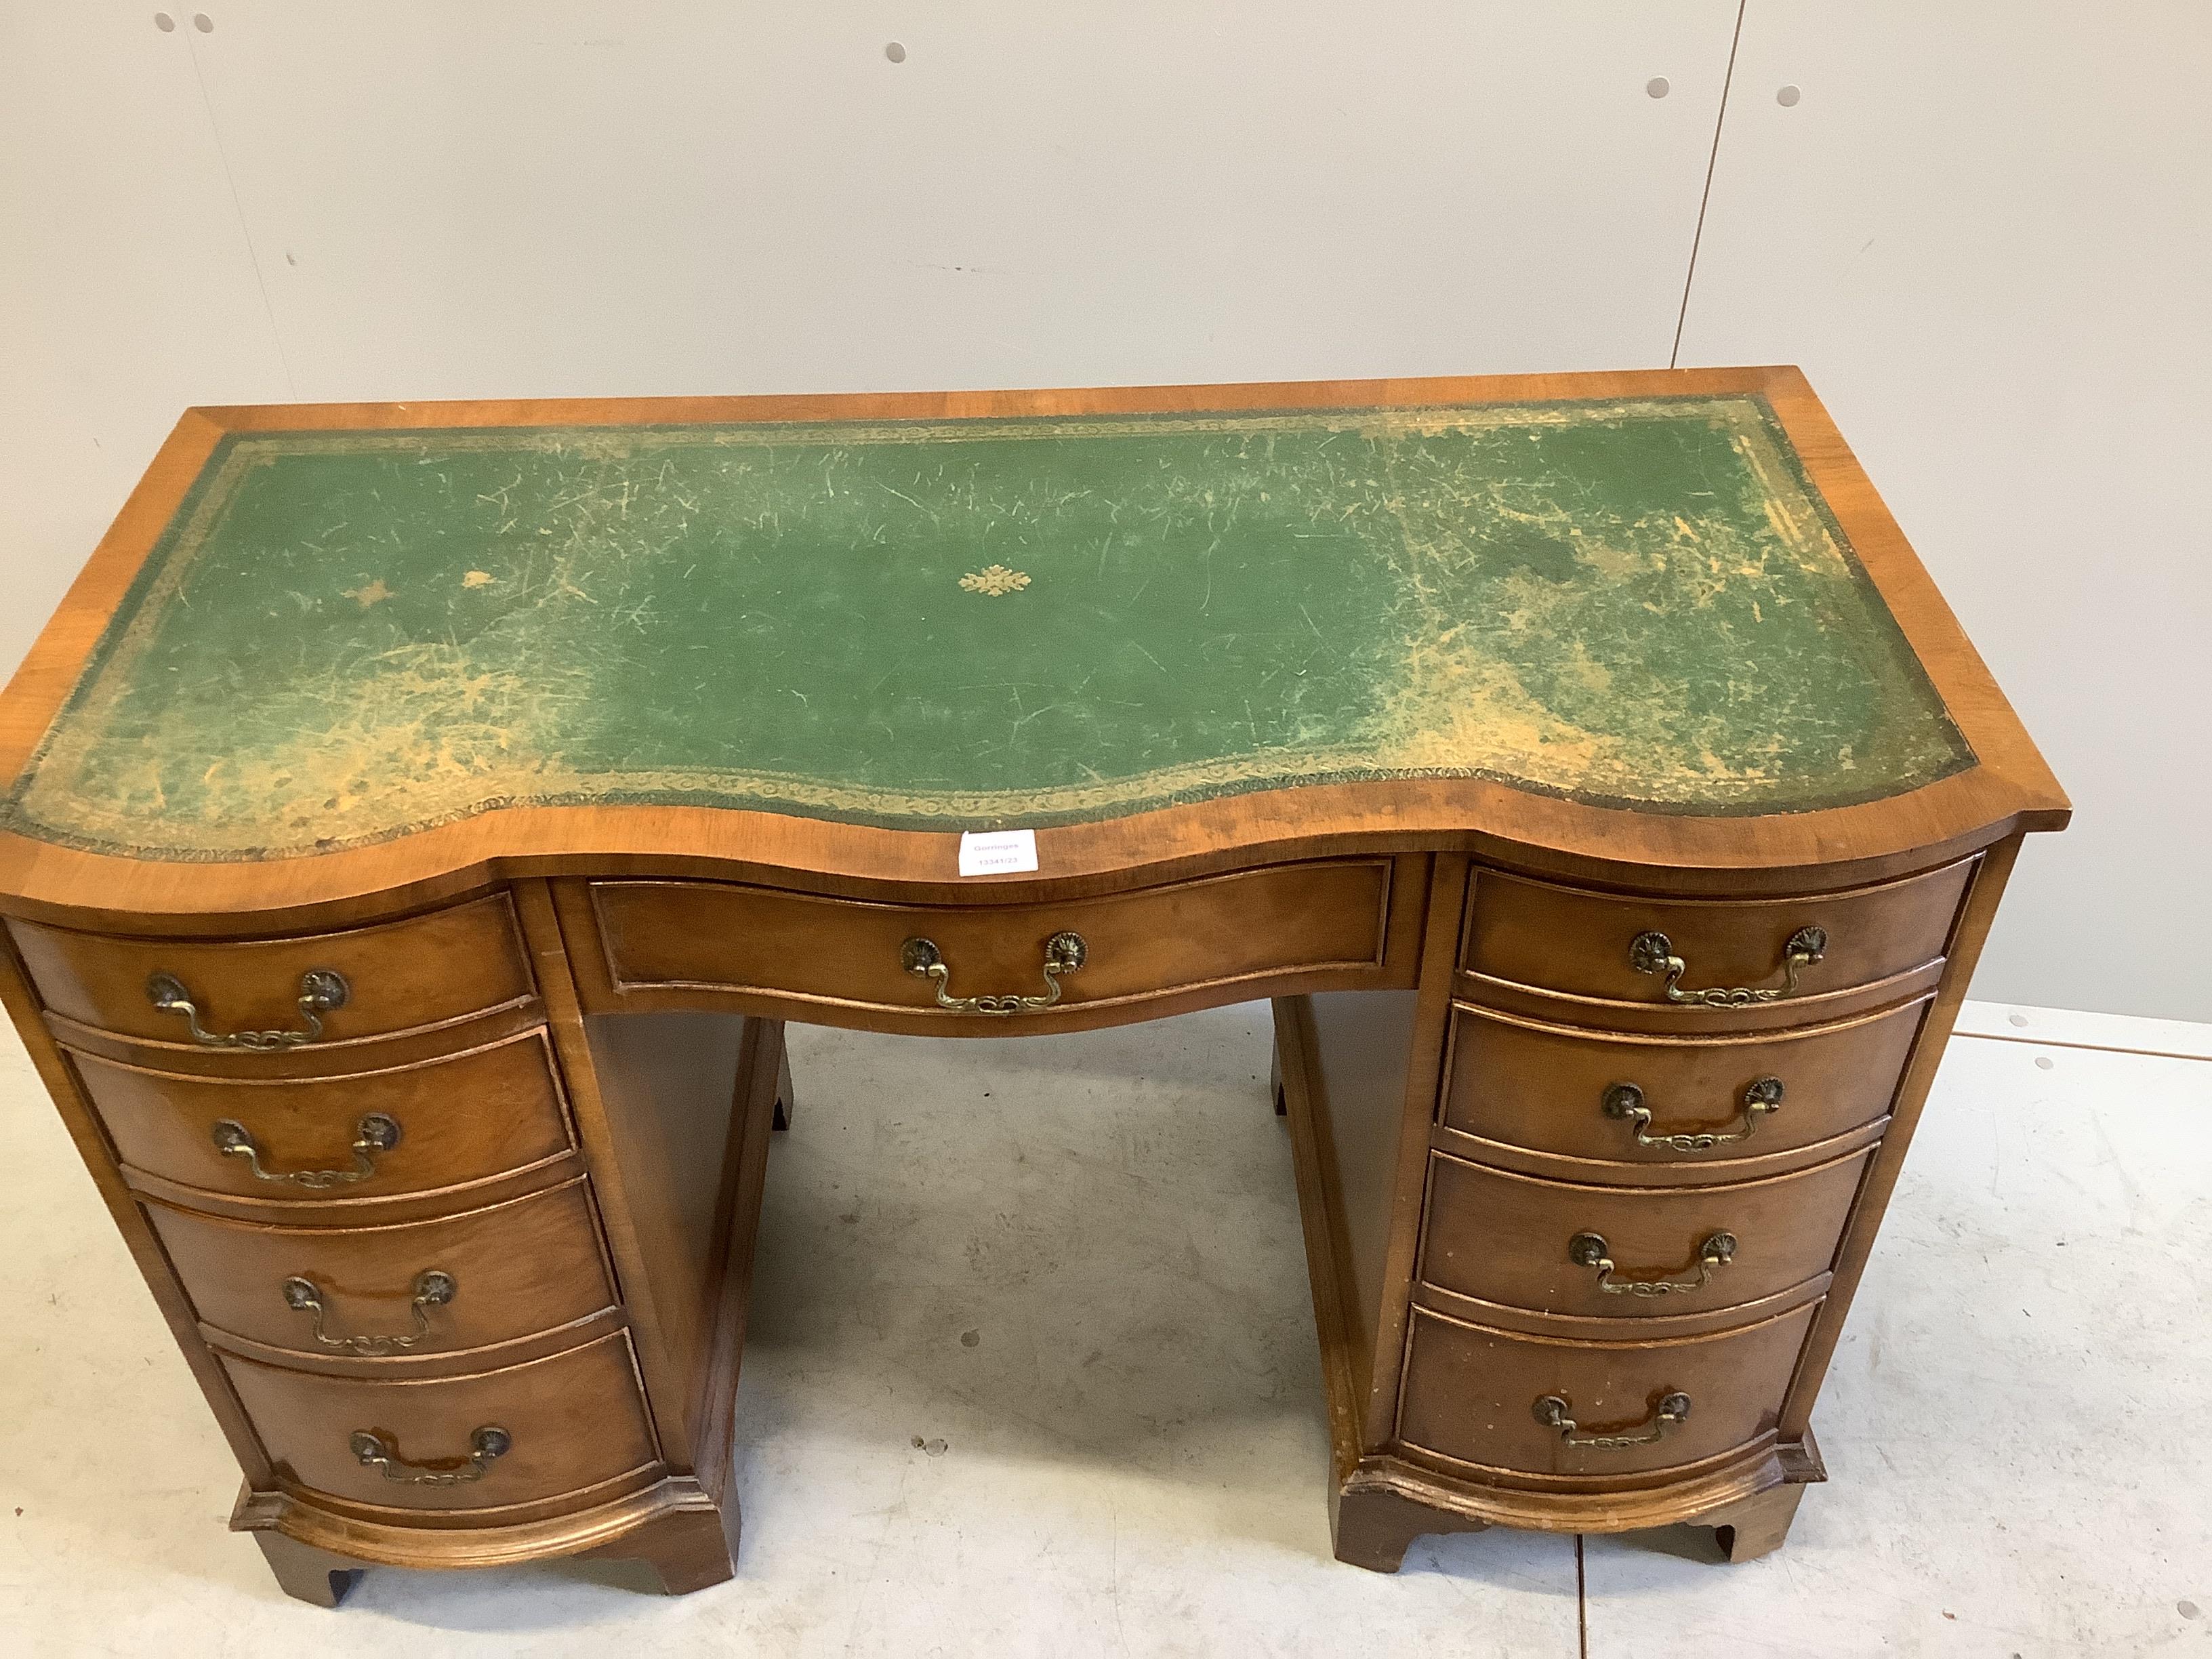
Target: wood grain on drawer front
[
  {"x": 462, "y": 1118},
  {"x": 1221, "y": 930},
  {"x": 1535, "y": 935},
  {"x": 1509, "y": 1238},
  {"x": 426, "y": 970},
  {"x": 512, "y": 1270},
  {"x": 1471, "y": 1393},
  {"x": 574, "y": 1420},
  {"x": 1523, "y": 1083}
]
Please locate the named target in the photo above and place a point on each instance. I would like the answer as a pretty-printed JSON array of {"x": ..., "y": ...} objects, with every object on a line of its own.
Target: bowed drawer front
[
  {"x": 1552, "y": 1248},
  {"x": 1682, "y": 1100},
  {"x": 316, "y": 991},
  {"x": 418, "y": 1290},
  {"x": 325, "y": 1141},
  {"x": 1592, "y": 1411},
  {"x": 489, "y": 1441},
  {"x": 1708, "y": 956}
]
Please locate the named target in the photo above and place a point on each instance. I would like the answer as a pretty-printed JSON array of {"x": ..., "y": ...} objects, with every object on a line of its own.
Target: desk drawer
[
  {"x": 422, "y": 1288},
  {"x": 1680, "y": 1100},
  {"x": 489, "y": 1441},
  {"x": 1484, "y": 1397},
  {"x": 1613, "y": 948},
  {"x": 1234, "y": 929},
  {"x": 442, "y": 1123},
  {"x": 1555, "y": 1247},
  {"x": 426, "y": 970}
]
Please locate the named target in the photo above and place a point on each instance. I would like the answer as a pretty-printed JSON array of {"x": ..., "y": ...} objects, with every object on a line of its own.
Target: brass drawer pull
[
  {"x": 1063, "y": 954},
  {"x": 321, "y": 989},
  {"x": 374, "y": 1134},
  {"x": 1590, "y": 1250},
  {"x": 1654, "y": 953},
  {"x": 434, "y": 1288},
  {"x": 1552, "y": 1411},
  {"x": 486, "y": 1446},
  {"x": 1625, "y": 1101}
]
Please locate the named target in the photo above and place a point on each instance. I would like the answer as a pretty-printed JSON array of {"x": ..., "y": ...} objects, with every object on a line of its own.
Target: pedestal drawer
[
  {"x": 1615, "y": 947},
  {"x": 1539, "y": 1405},
  {"x": 1621, "y": 1097},
  {"x": 442, "y": 1123},
  {"x": 423, "y": 1288},
  {"x": 1630, "y": 1252},
  {"x": 399, "y": 976},
  {"x": 488, "y": 1440}
]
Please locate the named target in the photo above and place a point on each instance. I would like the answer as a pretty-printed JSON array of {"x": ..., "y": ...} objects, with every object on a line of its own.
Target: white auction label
[{"x": 998, "y": 852}]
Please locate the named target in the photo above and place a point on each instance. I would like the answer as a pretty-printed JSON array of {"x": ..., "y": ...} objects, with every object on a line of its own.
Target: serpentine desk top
[{"x": 335, "y": 627}]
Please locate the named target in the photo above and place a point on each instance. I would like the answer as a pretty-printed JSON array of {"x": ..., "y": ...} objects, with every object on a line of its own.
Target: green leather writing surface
[{"x": 342, "y": 635}]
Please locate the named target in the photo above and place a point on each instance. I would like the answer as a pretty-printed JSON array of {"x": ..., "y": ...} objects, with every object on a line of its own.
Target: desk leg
[
  {"x": 695, "y": 1560},
  {"x": 786, "y": 1102},
  {"x": 689, "y": 1549},
  {"x": 1374, "y": 1528},
  {"x": 1757, "y": 1526},
  {"x": 304, "y": 1571}
]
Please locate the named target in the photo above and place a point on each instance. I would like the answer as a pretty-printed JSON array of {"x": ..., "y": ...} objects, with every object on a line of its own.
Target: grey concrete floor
[{"x": 1033, "y": 1371}]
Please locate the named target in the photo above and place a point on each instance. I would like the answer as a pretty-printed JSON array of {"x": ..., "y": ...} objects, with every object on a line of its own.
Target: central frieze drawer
[
  {"x": 418, "y": 1289},
  {"x": 486, "y": 1441},
  {"x": 1246, "y": 927},
  {"x": 444, "y": 1122},
  {"x": 1556, "y": 1247},
  {"x": 1540, "y": 1406}
]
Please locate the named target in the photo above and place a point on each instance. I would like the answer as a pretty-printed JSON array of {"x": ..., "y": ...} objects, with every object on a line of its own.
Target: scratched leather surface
[{"x": 345, "y": 636}]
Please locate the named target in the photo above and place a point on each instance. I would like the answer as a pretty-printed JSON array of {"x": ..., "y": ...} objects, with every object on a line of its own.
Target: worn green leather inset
[{"x": 344, "y": 635}]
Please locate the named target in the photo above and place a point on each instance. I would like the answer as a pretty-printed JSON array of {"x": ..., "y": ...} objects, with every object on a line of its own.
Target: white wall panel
[
  {"x": 127, "y": 290},
  {"x": 1985, "y": 231},
  {"x": 692, "y": 195}
]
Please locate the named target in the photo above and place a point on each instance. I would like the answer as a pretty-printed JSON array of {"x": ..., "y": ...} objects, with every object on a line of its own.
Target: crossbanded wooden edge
[
  {"x": 1513, "y": 1159},
  {"x": 411, "y": 1538},
  {"x": 1681, "y": 1497},
  {"x": 600, "y": 1518},
  {"x": 392, "y": 1209},
  {"x": 1601, "y": 1330},
  {"x": 426, "y": 1367}
]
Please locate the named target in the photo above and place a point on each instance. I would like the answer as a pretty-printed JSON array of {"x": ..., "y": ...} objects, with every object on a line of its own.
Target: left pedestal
[{"x": 461, "y": 1272}]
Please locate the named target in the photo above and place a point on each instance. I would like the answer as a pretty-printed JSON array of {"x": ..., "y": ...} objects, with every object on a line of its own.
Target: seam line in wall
[
  {"x": 245, "y": 230},
  {"x": 1712, "y": 160},
  {"x": 2092, "y": 1047},
  {"x": 1582, "y": 1602}
]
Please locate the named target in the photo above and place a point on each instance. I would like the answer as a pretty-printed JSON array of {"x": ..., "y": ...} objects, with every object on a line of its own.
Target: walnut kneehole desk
[{"x": 425, "y": 817}]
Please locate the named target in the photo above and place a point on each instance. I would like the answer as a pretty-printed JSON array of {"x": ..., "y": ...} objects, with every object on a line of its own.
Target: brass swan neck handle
[
  {"x": 321, "y": 990},
  {"x": 486, "y": 1446},
  {"x": 1590, "y": 1250},
  {"x": 1064, "y": 953},
  {"x": 1625, "y": 1101},
  {"x": 1670, "y": 1410},
  {"x": 375, "y": 1132},
  {"x": 1653, "y": 952},
  {"x": 434, "y": 1288}
]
